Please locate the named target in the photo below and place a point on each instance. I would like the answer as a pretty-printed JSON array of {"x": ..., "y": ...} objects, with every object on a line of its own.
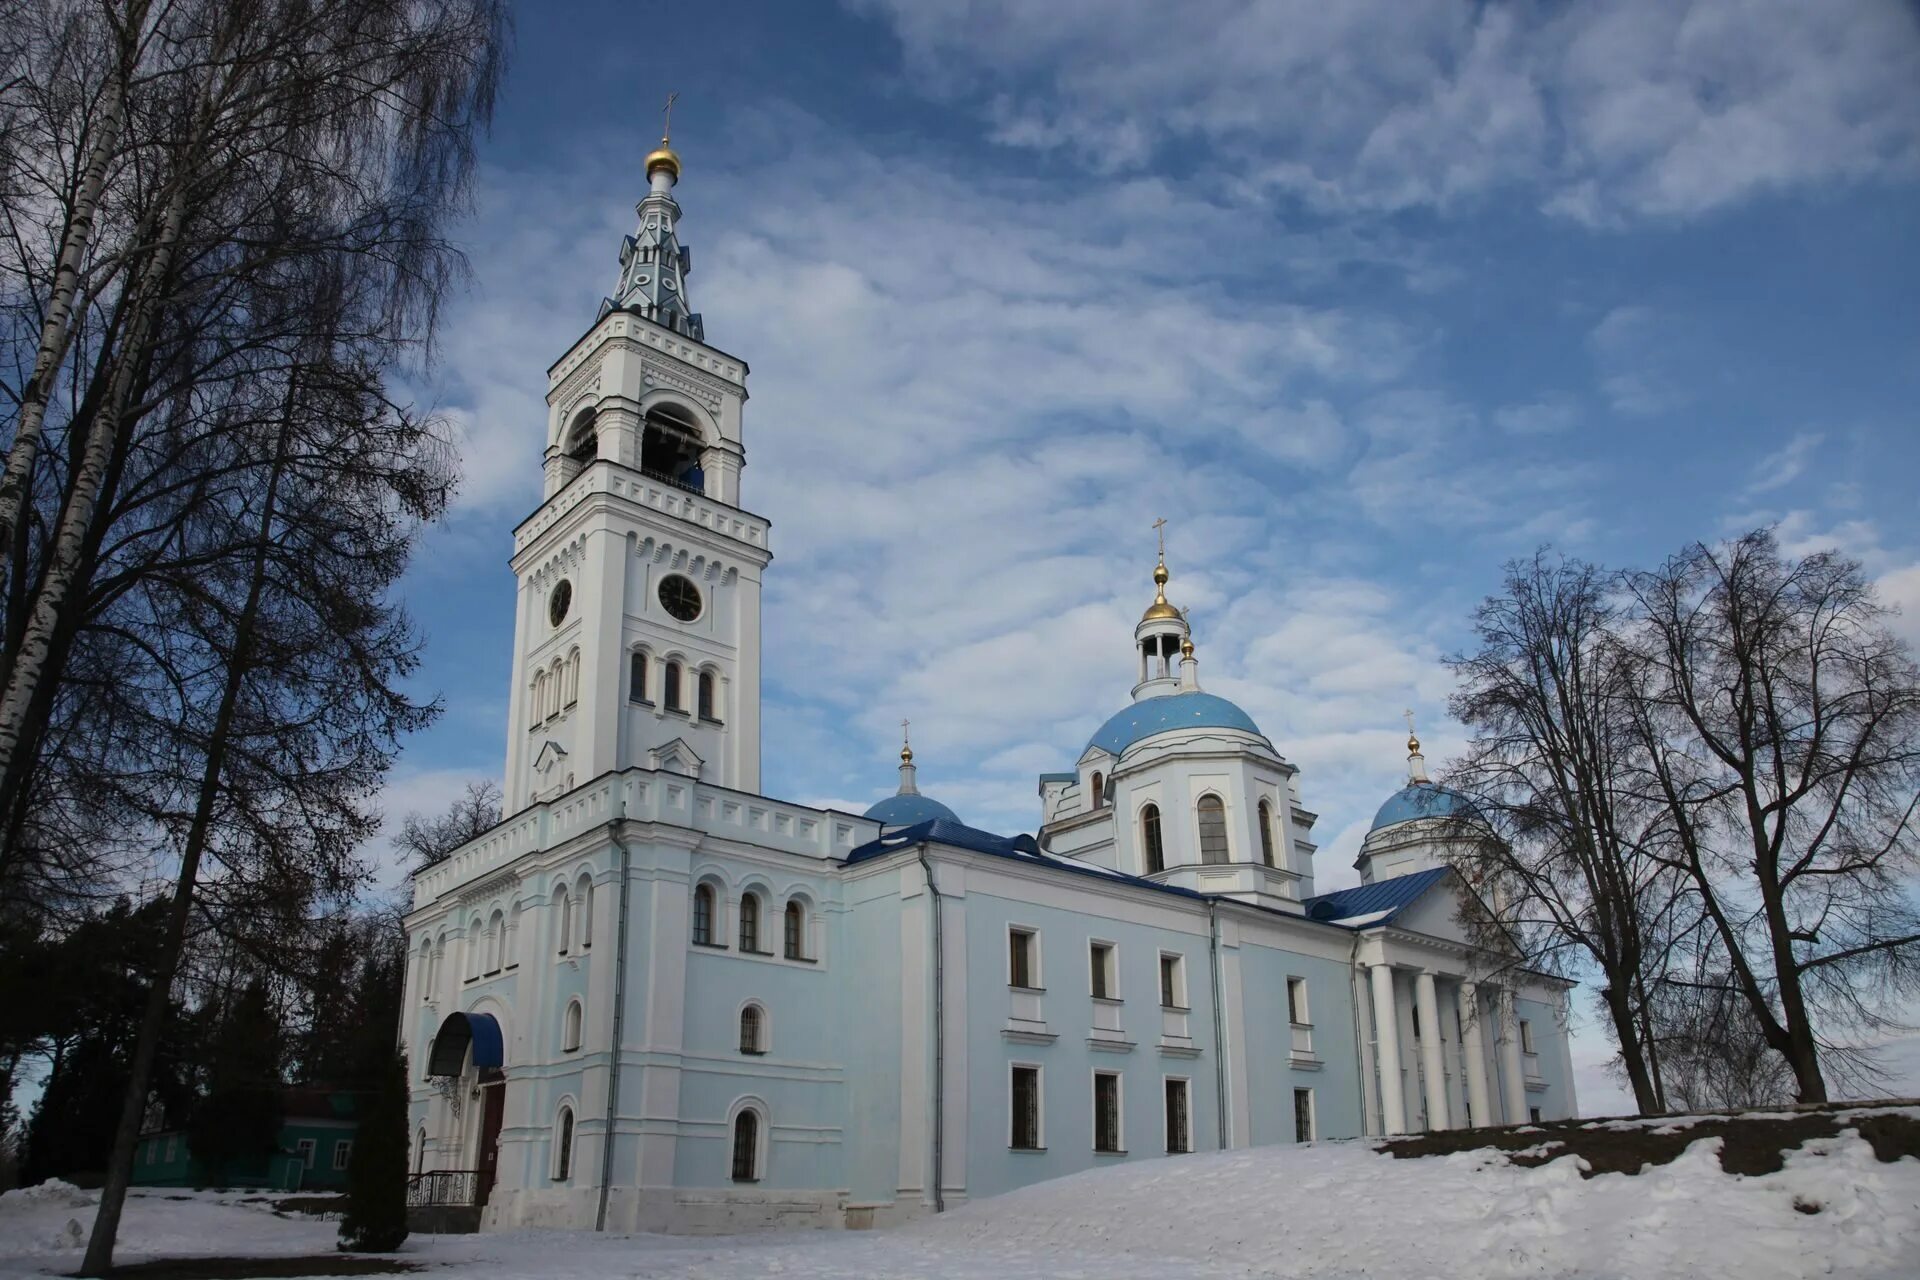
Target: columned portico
[
  {"x": 1433, "y": 1060},
  {"x": 1473, "y": 1048},
  {"x": 1386, "y": 1030}
]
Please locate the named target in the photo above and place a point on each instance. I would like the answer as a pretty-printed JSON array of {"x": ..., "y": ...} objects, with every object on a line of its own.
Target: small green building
[{"x": 316, "y": 1140}]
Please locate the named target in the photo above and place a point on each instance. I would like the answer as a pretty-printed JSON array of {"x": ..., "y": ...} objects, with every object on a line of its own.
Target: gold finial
[
  {"x": 1160, "y": 608},
  {"x": 664, "y": 156},
  {"x": 1413, "y": 740},
  {"x": 1186, "y": 647},
  {"x": 906, "y": 748}
]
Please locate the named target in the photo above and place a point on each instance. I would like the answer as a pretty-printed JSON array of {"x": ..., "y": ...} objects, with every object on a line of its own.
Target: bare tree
[
  {"x": 1780, "y": 727},
  {"x": 427, "y": 839},
  {"x": 1565, "y": 866}
]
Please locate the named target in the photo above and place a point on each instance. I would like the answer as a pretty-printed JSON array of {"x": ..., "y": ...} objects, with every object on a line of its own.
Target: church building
[{"x": 653, "y": 998}]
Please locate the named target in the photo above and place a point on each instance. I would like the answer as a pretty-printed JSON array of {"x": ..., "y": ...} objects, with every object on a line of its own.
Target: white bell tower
[{"x": 637, "y": 622}]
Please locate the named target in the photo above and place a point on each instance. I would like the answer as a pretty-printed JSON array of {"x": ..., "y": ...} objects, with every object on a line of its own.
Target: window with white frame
[
  {"x": 746, "y": 1146},
  {"x": 1023, "y": 1107},
  {"x": 1212, "y": 813},
  {"x": 570, "y": 1027},
  {"x": 753, "y": 1030},
  {"x": 1266, "y": 832},
  {"x": 1297, "y": 1011},
  {"x": 704, "y": 900},
  {"x": 1023, "y": 958},
  {"x": 586, "y": 913},
  {"x": 304, "y": 1148},
  {"x": 1103, "y": 976},
  {"x": 1526, "y": 1036},
  {"x": 1173, "y": 981},
  {"x": 1533, "y": 1115},
  {"x": 750, "y": 921},
  {"x": 1179, "y": 1115},
  {"x": 1303, "y": 1115},
  {"x": 793, "y": 930},
  {"x": 563, "y": 918},
  {"x": 637, "y": 679},
  {"x": 420, "y": 1150},
  {"x": 1106, "y": 1112},
  {"x": 342, "y": 1153},
  {"x": 563, "y": 1145},
  {"x": 1153, "y": 852}
]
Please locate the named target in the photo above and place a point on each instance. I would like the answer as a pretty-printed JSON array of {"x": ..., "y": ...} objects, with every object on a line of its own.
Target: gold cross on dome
[
  {"x": 1160, "y": 529},
  {"x": 1408, "y": 713},
  {"x": 666, "y": 118},
  {"x": 903, "y": 729}
]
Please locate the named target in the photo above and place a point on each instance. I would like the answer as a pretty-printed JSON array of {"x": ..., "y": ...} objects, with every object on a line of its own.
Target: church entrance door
[{"x": 492, "y": 1110}]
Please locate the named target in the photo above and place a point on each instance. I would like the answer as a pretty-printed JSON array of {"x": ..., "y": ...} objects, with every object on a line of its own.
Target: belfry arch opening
[
  {"x": 670, "y": 445},
  {"x": 583, "y": 439}
]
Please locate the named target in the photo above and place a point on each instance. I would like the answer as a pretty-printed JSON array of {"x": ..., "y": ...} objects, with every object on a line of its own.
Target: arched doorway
[{"x": 473, "y": 1041}]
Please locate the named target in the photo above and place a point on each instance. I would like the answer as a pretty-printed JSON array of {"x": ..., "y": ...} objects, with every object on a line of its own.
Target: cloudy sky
[{"x": 1363, "y": 298}]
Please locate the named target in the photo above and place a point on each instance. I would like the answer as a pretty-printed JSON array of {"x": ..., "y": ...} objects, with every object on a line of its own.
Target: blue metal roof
[
  {"x": 910, "y": 810},
  {"x": 1021, "y": 848},
  {"x": 1389, "y": 896},
  {"x": 1420, "y": 800},
  {"x": 1191, "y": 710}
]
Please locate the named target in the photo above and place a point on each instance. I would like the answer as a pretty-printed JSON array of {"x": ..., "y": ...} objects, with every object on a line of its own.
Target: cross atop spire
[
  {"x": 1416, "y": 762},
  {"x": 906, "y": 744},
  {"x": 1160, "y": 528},
  {"x": 908, "y": 787},
  {"x": 666, "y": 119},
  {"x": 653, "y": 264}
]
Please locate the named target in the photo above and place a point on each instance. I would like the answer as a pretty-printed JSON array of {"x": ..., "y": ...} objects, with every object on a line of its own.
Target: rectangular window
[
  {"x": 1297, "y": 1002},
  {"x": 1106, "y": 1111},
  {"x": 1303, "y": 1115},
  {"x": 1533, "y": 1114},
  {"x": 1173, "y": 982},
  {"x": 1100, "y": 960},
  {"x": 637, "y": 679},
  {"x": 1023, "y": 969},
  {"x": 342, "y": 1153},
  {"x": 173, "y": 1148},
  {"x": 1024, "y": 1106},
  {"x": 1526, "y": 1036},
  {"x": 1179, "y": 1129},
  {"x": 305, "y": 1148}
]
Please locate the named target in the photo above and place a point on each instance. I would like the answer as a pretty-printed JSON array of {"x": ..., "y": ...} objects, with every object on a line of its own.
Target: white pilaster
[
  {"x": 1432, "y": 1052},
  {"x": 1513, "y": 1083},
  {"x": 1386, "y": 1031},
  {"x": 1473, "y": 1047}
]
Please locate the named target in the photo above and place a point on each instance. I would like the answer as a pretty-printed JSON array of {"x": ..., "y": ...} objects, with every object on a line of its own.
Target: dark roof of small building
[
  {"x": 1372, "y": 905},
  {"x": 1020, "y": 848}
]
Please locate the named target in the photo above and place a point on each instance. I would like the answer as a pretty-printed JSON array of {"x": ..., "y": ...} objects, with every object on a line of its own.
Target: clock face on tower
[
  {"x": 679, "y": 597},
  {"x": 559, "y": 602}
]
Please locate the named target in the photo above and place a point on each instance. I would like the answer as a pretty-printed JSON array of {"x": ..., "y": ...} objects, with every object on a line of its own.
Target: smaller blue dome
[
  {"x": 1190, "y": 710},
  {"x": 910, "y": 810},
  {"x": 1420, "y": 800}
]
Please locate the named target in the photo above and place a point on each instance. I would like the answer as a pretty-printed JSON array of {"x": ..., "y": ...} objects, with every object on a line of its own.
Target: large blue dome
[
  {"x": 909, "y": 810},
  {"x": 1192, "y": 710},
  {"x": 1420, "y": 800}
]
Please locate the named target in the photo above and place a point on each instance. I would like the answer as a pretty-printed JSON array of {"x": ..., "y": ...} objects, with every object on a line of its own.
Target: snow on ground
[{"x": 1331, "y": 1210}]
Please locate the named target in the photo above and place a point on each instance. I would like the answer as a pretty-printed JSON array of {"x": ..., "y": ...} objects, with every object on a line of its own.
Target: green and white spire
[{"x": 653, "y": 263}]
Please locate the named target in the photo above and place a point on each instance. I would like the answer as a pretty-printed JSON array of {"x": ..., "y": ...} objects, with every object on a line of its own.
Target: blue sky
[{"x": 1365, "y": 299}]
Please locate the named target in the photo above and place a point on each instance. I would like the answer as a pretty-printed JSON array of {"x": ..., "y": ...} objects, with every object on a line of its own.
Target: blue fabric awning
[{"x": 448, "y": 1057}]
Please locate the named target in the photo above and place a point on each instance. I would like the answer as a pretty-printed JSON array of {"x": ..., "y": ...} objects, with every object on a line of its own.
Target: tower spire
[
  {"x": 1416, "y": 762},
  {"x": 908, "y": 787},
  {"x": 653, "y": 264}
]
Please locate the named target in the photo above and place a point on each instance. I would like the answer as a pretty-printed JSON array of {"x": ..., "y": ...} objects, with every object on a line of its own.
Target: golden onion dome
[{"x": 663, "y": 157}]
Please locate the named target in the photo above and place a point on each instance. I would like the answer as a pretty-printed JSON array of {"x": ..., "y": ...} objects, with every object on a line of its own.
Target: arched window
[
  {"x": 583, "y": 444},
  {"x": 753, "y": 1022},
  {"x": 670, "y": 443},
  {"x": 584, "y": 891},
  {"x": 570, "y": 1027},
  {"x": 497, "y": 943},
  {"x": 513, "y": 937},
  {"x": 1099, "y": 796},
  {"x": 703, "y": 915},
  {"x": 570, "y": 685},
  {"x": 563, "y": 1145},
  {"x": 746, "y": 1147},
  {"x": 420, "y": 1150},
  {"x": 671, "y": 693},
  {"x": 637, "y": 678},
  {"x": 749, "y": 921},
  {"x": 705, "y": 699},
  {"x": 795, "y": 930},
  {"x": 563, "y": 917},
  {"x": 1155, "y": 853},
  {"x": 1213, "y": 829},
  {"x": 1266, "y": 833}
]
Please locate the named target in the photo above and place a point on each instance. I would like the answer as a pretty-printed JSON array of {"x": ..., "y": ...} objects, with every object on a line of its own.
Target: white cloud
[
  {"x": 1786, "y": 464},
  {"x": 1628, "y": 110}
]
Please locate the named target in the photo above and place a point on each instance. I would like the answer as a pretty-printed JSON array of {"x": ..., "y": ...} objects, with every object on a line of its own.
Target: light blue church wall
[
  {"x": 1551, "y": 1066},
  {"x": 1272, "y": 1074},
  {"x": 870, "y": 1013}
]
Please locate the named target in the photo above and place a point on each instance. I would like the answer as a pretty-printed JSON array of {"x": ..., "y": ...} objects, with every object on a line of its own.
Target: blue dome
[
  {"x": 1194, "y": 710},
  {"x": 1420, "y": 800},
  {"x": 908, "y": 811}
]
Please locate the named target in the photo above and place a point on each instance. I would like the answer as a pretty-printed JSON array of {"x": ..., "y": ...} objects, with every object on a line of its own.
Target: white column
[
  {"x": 1473, "y": 1047},
  {"x": 1386, "y": 1041},
  {"x": 1432, "y": 1052},
  {"x": 1514, "y": 1082}
]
